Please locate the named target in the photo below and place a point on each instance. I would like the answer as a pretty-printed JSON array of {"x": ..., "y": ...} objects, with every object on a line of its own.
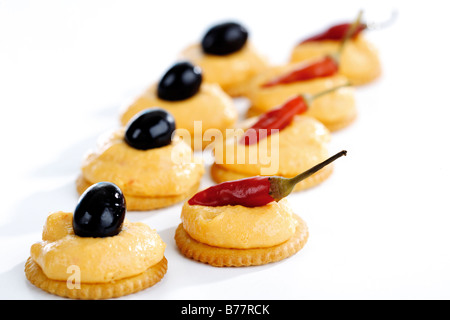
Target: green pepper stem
[
  {"x": 353, "y": 27},
  {"x": 310, "y": 98},
  {"x": 320, "y": 94},
  {"x": 310, "y": 172},
  {"x": 281, "y": 187}
]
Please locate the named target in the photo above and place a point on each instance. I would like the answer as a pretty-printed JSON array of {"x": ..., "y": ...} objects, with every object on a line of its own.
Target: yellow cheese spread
[
  {"x": 333, "y": 108},
  {"x": 360, "y": 62},
  {"x": 147, "y": 173},
  {"x": 230, "y": 71},
  {"x": 211, "y": 105},
  {"x": 296, "y": 148},
  {"x": 99, "y": 260},
  {"x": 240, "y": 227}
]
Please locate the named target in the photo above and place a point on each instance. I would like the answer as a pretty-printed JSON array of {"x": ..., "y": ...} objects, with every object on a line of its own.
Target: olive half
[
  {"x": 149, "y": 129},
  {"x": 100, "y": 211},
  {"x": 224, "y": 39},
  {"x": 180, "y": 82}
]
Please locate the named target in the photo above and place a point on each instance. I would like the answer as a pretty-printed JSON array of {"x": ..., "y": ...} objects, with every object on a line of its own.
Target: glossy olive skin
[
  {"x": 149, "y": 129},
  {"x": 224, "y": 39},
  {"x": 100, "y": 211},
  {"x": 180, "y": 82}
]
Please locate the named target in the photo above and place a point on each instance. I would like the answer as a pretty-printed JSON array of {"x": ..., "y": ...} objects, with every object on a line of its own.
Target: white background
[{"x": 379, "y": 227}]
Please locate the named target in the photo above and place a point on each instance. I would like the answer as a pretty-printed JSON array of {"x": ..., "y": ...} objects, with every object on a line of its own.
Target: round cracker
[
  {"x": 96, "y": 291},
  {"x": 227, "y": 257}
]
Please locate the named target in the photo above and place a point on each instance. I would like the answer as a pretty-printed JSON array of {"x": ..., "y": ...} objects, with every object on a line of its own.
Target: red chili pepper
[
  {"x": 336, "y": 33},
  {"x": 281, "y": 117},
  {"x": 328, "y": 65},
  {"x": 325, "y": 67},
  {"x": 251, "y": 192},
  {"x": 276, "y": 119},
  {"x": 255, "y": 191}
]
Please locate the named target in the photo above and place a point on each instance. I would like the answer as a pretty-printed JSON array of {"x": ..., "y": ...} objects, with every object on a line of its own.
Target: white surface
[{"x": 379, "y": 227}]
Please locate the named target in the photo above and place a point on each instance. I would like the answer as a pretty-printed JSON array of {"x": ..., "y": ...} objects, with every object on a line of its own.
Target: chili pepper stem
[
  {"x": 310, "y": 98},
  {"x": 351, "y": 30},
  {"x": 280, "y": 187}
]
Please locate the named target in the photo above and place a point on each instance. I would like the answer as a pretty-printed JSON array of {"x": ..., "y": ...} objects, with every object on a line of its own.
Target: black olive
[
  {"x": 180, "y": 82},
  {"x": 149, "y": 129},
  {"x": 224, "y": 39},
  {"x": 100, "y": 211}
]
